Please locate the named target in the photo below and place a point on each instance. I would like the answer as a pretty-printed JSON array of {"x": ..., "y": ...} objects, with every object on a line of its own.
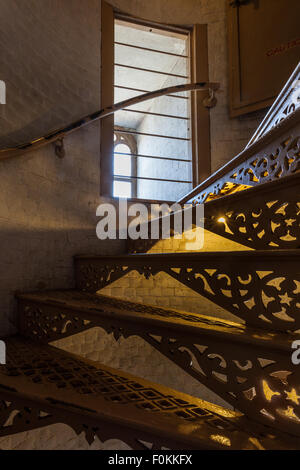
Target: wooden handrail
[
  {"x": 283, "y": 116},
  {"x": 59, "y": 134}
]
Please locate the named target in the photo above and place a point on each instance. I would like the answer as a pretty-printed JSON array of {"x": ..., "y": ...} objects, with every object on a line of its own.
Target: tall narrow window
[
  {"x": 171, "y": 133},
  {"x": 147, "y": 59},
  {"x": 124, "y": 164}
]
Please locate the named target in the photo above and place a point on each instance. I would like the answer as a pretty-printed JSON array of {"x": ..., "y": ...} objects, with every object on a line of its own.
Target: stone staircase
[{"x": 246, "y": 362}]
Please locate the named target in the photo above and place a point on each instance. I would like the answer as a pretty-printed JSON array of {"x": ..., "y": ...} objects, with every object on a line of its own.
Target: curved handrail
[
  {"x": 283, "y": 116},
  {"x": 61, "y": 133}
]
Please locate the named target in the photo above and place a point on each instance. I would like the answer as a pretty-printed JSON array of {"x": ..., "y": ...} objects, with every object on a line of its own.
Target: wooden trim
[
  {"x": 237, "y": 105},
  {"x": 147, "y": 49},
  {"x": 200, "y": 116},
  {"x": 157, "y": 28},
  {"x": 107, "y": 98}
]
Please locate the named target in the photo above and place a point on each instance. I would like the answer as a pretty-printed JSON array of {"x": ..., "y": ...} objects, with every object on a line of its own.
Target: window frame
[
  {"x": 130, "y": 141},
  {"x": 200, "y": 115}
]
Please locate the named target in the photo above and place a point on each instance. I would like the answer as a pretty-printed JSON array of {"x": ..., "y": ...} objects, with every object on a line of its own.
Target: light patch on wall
[{"x": 2, "y": 353}]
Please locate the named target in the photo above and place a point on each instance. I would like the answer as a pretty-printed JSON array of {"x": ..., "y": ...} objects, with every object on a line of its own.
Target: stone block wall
[{"x": 228, "y": 136}]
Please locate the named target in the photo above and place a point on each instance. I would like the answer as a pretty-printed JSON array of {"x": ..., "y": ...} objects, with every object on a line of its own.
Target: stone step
[
  {"x": 262, "y": 217},
  {"x": 42, "y": 385},
  {"x": 249, "y": 368}
]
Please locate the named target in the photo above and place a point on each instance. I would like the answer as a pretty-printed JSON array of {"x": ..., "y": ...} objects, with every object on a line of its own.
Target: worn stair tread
[
  {"x": 97, "y": 308},
  {"x": 108, "y": 403},
  {"x": 260, "y": 287}
]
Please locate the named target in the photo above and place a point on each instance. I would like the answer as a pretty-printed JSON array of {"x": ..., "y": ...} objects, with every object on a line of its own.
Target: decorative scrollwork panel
[
  {"x": 261, "y": 288},
  {"x": 276, "y": 160},
  {"x": 45, "y": 323},
  {"x": 251, "y": 370},
  {"x": 16, "y": 416},
  {"x": 97, "y": 277},
  {"x": 262, "y": 220},
  {"x": 262, "y": 384},
  {"x": 55, "y": 378},
  {"x": 267, "y": 298}
]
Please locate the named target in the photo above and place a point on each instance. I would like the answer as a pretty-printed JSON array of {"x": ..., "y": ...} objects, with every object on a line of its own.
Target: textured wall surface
[
  {"x": 47, "y": 215},
  {"x": 50, "y": 61}
]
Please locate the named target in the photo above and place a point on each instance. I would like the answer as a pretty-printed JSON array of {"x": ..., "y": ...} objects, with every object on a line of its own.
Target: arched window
[
  {"x": 124, "y": 164},
  {"x": 172, "y": 132}
]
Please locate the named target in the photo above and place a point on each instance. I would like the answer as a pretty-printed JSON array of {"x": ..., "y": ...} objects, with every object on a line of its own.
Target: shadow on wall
[
  {"x": 50, "y": 62},
  {"x": 164, "y": 11}
]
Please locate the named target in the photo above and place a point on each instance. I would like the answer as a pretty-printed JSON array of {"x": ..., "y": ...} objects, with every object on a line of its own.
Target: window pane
[
  {"x": 122, "y": 189},
  {"x": 122, "y": 148},
  {"x": 122, "y": 165}
]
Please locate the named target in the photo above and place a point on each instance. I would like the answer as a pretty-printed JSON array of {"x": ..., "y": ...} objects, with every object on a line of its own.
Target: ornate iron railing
[
  {"x": 273, "y": 152},
  {"x": 259, "y": 287}
]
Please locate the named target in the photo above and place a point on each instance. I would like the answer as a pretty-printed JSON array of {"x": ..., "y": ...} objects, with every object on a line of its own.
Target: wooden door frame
[
  {"x": 107, "y": 99},
  {"x": 200, "y": 115}
]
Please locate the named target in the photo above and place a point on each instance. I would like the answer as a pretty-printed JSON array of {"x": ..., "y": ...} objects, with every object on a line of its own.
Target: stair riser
[
  {"x": 252, "y": 288},
  {"x": 224, "y": 362},
  {"x": 261, "y": 220}
]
